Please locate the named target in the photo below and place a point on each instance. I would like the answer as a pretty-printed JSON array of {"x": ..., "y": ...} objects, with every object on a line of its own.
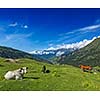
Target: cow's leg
[
  {"x": 83, "y": 70},
  {"x": 16, "y": 77},
  {"x": 21, "y": 78}
]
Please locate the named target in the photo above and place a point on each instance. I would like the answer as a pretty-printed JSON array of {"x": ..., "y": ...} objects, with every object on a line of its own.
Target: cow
[
  {"x": 85, "y": 68},
  {"x": 44, "y": 69},
  {"x": 16, "y": 74}
]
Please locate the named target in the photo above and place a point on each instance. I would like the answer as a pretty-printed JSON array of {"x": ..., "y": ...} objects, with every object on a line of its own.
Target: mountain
[
  {"x": 63, "y": 49},
  {"x": 50, "y": 54},
  {"x": 7, "y": 52},
  {"x": 88, "y": 55}
]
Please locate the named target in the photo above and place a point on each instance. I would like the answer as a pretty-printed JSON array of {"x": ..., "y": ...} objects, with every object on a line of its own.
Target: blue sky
[{"x": 36, "y": 29}]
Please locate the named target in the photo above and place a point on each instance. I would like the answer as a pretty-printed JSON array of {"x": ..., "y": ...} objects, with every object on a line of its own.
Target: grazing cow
[
  {"x": 85, "y": 68},
  {"x": 16, "y": 74},
  {"x": 44, "y": 69}
]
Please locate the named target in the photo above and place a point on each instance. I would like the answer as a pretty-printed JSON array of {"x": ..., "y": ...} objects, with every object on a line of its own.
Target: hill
[
  {"x": 7, "y": 52},
  {"x": 88, "y": 55},
  {"x": 60, "y": 78}
]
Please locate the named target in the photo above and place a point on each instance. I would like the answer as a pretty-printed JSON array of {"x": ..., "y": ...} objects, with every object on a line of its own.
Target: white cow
[{"x": 16, "y": 74}]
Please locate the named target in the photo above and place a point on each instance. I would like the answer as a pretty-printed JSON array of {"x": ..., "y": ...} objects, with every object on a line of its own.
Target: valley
[{"x": 60, "y": 78}]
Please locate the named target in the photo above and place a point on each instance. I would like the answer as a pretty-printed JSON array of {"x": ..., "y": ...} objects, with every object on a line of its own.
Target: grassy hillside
[
  {"x": 7, "y": 52},
  {"x": 61, "y": 77},
  {"x": 89, "y": 55}
]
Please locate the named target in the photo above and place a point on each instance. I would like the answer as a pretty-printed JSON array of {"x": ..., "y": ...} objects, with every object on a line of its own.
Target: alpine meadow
[{"x": 49, "y": 49}]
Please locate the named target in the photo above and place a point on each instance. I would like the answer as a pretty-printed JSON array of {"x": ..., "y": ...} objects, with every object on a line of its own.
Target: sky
[{"x": 31, "y": 29}]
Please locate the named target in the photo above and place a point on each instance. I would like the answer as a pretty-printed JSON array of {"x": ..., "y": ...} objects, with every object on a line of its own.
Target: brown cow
[{"x": 85, "y": 68}]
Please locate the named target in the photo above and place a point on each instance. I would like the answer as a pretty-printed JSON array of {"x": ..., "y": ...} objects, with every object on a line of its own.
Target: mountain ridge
[
  {"x": 88, "y": 55},
  {"x": 49, "y": 54},
  {"x": 8, "y": 52}
]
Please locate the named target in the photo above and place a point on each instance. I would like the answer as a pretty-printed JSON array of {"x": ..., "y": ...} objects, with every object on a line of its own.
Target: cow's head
[{"x": 24, "y": 70}]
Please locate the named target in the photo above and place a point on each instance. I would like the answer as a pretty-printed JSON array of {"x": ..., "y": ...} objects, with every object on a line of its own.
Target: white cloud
[
  {"x": 98, "y": 36},
  {"x": 51, "y": 48},
  {"x": 74, "y": 35},
  {"x": 25, "y": 26},
  {"x": 59, "y": 53},
  {"x": 17, "y": 36},
  {"x": 13, "y": 24},
  {"x": 90, "y": 27},
  {"x": 76, "y": 45},
  {"x": 78, "y": 33},
  {"x": 16, "y": 24}
]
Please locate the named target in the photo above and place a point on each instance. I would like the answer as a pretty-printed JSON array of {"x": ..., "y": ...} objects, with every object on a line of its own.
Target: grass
[{"x": 60, "y": 78}]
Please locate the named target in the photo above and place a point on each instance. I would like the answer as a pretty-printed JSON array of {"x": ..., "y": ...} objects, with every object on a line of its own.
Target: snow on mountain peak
[
  {"x": 59, "y": 53},
  {"x": 58, "y": 50}
]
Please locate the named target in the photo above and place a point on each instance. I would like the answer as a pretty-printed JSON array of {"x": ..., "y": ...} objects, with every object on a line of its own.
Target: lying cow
[{"x": 16, "y": 74}]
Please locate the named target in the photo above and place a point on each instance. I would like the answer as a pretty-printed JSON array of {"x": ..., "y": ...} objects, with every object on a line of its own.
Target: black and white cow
[{"x": 16, "y": 74}]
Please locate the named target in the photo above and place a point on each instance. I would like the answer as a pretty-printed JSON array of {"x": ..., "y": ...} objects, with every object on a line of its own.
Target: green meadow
[{"x": 60, "y": 78}]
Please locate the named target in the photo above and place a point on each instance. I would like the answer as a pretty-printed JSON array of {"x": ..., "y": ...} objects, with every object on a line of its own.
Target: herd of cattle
[{"x": 19, "y": 73}]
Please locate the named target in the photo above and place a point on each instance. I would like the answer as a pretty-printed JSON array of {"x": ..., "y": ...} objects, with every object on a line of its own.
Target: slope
[
  {"x": 7, "y": 52},
  {"x": 60, "y": 78},
  {"x": 89, "y": 55}
]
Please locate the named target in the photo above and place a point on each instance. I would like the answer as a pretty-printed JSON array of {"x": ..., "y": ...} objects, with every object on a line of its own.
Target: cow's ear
[{"x": 21, "y": 68}]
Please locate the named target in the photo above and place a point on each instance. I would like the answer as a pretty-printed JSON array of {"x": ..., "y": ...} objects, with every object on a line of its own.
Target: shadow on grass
[
  {"x": 31, "y": 77},
  {"x": 1, "y": 65}
]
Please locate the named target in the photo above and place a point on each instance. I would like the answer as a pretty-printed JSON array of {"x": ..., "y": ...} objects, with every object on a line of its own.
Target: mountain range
[
  {"x": 88, "y": 55},
  {"x": 50, "y": 54},
  {"x": 63, "y": 49}
]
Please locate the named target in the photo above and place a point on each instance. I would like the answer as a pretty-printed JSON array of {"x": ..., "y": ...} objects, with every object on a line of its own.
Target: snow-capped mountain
[
  {"x": 48, "y": 54},
  {"x": 41, "y": 52},
  {"x": 62, "y": 49}
]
